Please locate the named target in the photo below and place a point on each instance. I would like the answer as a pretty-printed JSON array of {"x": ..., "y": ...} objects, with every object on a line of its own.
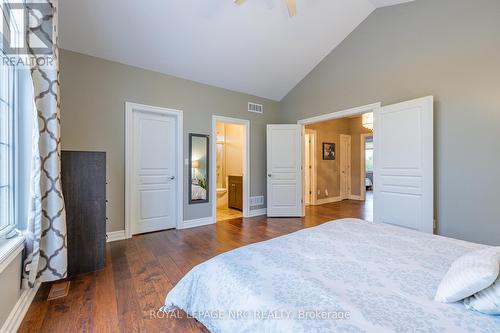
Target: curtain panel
[{"x": 45, "y": 258}]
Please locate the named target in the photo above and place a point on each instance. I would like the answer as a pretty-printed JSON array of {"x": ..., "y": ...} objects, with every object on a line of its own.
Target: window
[
  {"x": 17, "y": 124},
  {"x": 369, "y": 156},
  {"x": 8, "y": 125},
  {"x": 7, "y": 143}
]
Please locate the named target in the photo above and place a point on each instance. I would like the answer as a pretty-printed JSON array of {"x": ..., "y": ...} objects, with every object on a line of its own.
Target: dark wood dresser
[
  {"x": 235, "y": 192},
  {"x": 84, "y": 188}
]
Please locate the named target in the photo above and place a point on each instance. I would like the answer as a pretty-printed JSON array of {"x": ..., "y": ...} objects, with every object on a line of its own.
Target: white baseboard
[
  {"x": 17, "y": 314},
  {"x": 355, "y": 197},
  {"x": 257, "y": 212},
  {"x": 197, "y": 222},
  {"x": 116, "y": 235},
  {"x": 327, "y": 200}
]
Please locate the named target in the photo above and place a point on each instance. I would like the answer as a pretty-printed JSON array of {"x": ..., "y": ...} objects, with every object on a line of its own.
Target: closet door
[
  {"x": 155, "y": 161},
  {"x": 284, "y": 170}
]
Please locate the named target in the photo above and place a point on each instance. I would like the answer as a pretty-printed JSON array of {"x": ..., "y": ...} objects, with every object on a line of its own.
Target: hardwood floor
[
  {"x": 224, "y": 214},
  {"x": 139, "y": 272}
]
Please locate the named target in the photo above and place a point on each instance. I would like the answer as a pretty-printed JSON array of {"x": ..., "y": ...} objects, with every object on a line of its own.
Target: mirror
[{"x": 198, "y": 165}]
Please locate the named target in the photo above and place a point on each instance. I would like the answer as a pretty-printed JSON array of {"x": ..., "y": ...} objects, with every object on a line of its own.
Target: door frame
[
  {"x": 374, "y": 107},
  {"x": 313, "y": 134},
  {"x": 348, "y": 195},
  {"x": 246, "y": 162},
  {"x": 130, "y": 178},
  {"x": 341, "y": 114},
  {"x": 362, "y": 160}
]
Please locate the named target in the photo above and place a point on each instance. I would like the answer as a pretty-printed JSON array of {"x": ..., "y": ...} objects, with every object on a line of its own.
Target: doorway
[
  {"x": 336, "y": 175},
  {"x": 403, "y": 164},
  {"x": 332, "y": 160},
  {"x": 230, "y": 174},
  {"x": 153, "y": 169},
  {"x": 367, "y": 149}
]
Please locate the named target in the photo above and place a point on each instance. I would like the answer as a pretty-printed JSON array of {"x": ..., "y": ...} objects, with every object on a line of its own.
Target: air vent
[
  {"x": 256, "y": 201},
  {"x": 256, "y": 108}
]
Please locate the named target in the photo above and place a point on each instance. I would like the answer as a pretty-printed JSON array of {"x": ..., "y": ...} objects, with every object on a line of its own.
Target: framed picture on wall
[{"x": 328, "y": 151}]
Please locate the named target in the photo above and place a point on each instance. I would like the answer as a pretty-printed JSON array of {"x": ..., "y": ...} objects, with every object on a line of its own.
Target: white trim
[
  {"x": 328, "y": 200},
  {"x": 114, "y": 236},
  {"x": 347, "y": 164},
  {"x": 313, "y": 134},
  {"x": 17, "y": 314},
  {"x": 9, "y": 250},
  {"x": 197, "y": 222},
  {"x": 246, "y": 162},
  {"x": 257, "y": 212},
  {"x": 129, "y": 182},
  {"x": 341, "y": 114},
  {"x": 355, "y": 197}
]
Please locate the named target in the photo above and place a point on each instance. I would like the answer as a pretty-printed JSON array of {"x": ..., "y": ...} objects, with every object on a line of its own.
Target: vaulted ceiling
[{"x": 255, "y": 48}]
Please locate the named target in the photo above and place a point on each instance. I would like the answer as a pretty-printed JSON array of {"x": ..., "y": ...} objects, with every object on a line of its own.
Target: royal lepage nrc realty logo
[{"x": 26, "y": 32}]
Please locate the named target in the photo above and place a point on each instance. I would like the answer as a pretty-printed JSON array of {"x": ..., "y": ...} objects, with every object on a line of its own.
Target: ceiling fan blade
[
  {"x": 239, "y": 2},
  {"x": 292, "y": 7}
]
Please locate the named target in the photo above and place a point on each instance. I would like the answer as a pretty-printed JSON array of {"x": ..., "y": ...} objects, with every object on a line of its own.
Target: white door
[
  {"x": 284, "y": 170},
  {"x": 403, "y": 168},
  {"x": 154, "y": 170},
  {"x": 307, "y": 170},
  {"x": 345, "y": 166}
]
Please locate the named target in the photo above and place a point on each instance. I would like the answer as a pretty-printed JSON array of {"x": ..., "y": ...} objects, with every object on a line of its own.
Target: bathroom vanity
[{"x": 235, "y": 192}]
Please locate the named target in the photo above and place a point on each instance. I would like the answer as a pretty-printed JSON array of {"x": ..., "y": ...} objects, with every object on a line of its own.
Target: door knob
[
  {"x": 269, "y": 175},
  {"x": 172, "y": 178}
]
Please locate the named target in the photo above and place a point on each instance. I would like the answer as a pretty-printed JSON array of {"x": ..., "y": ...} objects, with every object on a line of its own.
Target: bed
[
  {"x": 198, "y": 192},
  {"x": 368, "y": 183},
  {"x": 343, "y": 276}
]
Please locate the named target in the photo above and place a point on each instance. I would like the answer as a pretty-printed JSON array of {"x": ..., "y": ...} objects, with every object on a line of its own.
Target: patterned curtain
[{"x": 46, "y": 258}]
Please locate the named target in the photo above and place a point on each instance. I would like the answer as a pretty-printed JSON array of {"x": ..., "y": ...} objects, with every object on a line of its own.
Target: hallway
[{"x": 342, "y": 209}]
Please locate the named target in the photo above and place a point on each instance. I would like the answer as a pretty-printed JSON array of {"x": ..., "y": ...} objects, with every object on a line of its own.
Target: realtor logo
[{"x": 26, "y": 28}]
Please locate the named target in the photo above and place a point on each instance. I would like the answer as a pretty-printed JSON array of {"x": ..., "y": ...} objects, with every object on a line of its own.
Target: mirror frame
[{"x": 191, "y": 136}]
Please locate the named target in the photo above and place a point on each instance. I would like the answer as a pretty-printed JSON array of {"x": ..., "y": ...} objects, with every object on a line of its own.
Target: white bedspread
[
  {"x": 198, "y": 192},
  {"x": 378, "y": 278}
]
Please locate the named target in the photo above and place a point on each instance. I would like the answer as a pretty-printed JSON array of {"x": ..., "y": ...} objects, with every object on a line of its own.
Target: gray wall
[
  {"x": 446, "y": 48},
  {"x": 94, "y": 92}
]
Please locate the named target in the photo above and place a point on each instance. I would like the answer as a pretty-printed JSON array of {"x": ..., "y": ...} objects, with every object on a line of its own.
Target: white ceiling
[{"x": 255, "y": 48}]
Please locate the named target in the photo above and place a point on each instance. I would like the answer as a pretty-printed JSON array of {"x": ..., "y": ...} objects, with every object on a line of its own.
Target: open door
[
  {"x": 403, "y": 166},
  {"x": 284, "y": 170}
]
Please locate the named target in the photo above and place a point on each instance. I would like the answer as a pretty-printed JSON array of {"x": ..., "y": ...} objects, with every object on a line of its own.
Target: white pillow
[
  {"x": 486, "y": 301},
  {"x": 469, "y": 274}
]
